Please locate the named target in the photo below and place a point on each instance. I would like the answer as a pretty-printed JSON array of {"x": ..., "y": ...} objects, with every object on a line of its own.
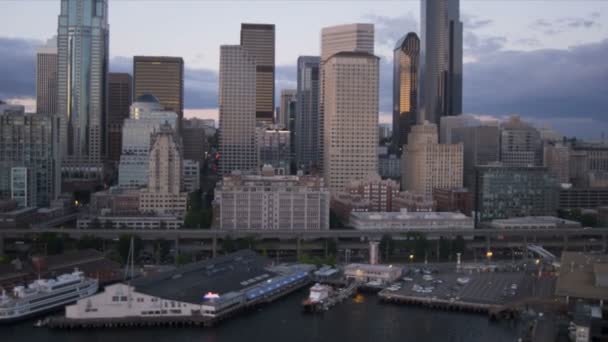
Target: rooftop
[
  {"x": 536, "y": 220},
  {"x": 406, "y": 215},
  {"x": 147, "y": 98},
  {"x": 577, "y": 276}
]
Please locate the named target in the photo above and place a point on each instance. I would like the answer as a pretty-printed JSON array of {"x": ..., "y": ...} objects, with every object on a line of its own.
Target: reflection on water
[{"x": 358, "y": 298}]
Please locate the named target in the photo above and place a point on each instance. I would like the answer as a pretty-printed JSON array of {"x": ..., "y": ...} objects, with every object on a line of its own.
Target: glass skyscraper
[
  {"x": 405, "y": 89},
  {"x": 82, "y": 44},
  {"x": 307, "y": 113}
]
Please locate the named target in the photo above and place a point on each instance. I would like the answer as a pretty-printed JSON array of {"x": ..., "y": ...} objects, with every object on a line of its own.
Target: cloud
[
  {"x": 471, "y": 22},
  {"x": 17, "y": 67},
  {"x": 560, "y": 25},
  {"x": 388, "y": 30}
]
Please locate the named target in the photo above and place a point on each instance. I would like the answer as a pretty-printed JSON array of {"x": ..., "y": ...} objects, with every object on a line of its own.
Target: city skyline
[{"x": 491, "y": 43}]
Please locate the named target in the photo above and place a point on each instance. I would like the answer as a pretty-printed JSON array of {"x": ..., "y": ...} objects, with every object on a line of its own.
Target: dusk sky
[{"x": 545, "y": 60}]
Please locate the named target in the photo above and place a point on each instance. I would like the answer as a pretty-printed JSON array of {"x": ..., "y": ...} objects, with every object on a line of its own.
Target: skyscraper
[
  {"x": 334, "y": 39},
  {"x": 119, "y": 101},
  {"x": 237, "y": 109},
  {"x": 162, "y": 77},
  {"x": 520, "y": 143},
  {"x": 307, "y": 113},
  {"x": 405, "y": 89},
  {"x": 46, "y": 78},
  {"x": 259, "y": 41},
  {"x": 288, "y": 98},
  {"x": 351, "y": 117},
  {"x": 82, "y": 67},
  {"x": 440, "y": 70}
]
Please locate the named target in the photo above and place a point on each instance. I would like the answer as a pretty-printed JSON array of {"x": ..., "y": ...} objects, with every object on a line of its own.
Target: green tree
[
  {"x": 124, "y": 244},
  {"x": 228, "y": 244},
  {"x": 387, "y": 246},
  {"x": 89, "y": 242},
  {"x": 334, "y": 221},
  {"x": 445, "y": 247},
  {"x": 162, "y": 248},
  {"x": 459, "y": 244},
  {"x": 332, "y": 247},
  {"x": 50, "y": 243}
]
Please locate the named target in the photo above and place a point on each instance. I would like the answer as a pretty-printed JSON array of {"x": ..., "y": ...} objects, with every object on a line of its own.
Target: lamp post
[
  {"x": 489, "y": 255},
  {"x": 411, "y": 258}
]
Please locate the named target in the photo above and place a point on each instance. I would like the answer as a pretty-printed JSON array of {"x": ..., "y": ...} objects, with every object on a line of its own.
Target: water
[{"x": 351, "y": 321}]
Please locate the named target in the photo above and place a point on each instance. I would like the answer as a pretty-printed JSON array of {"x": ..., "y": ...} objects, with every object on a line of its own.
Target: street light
[
  {"x": 411, "y": 257},
  {"x": 489, "y": 256}
]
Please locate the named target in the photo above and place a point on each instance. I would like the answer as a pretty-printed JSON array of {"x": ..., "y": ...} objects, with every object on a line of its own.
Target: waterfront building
[
  {"x": 82, "y": 67},
  {"x": 556, "y": 157},
  {"x": 583, "y": 278},
  {"x": 237, "y": 110},
  {"x": 162, "y": 77},
  {"x": 427, "y": 165},
  {"x": 46, "y": 78},
  {"x": 334, "y": 39},
  {"x": 410, "y": 221},
  {"x": 480, "y": 145},
  {"x": 29, "y": 157},
  {"x": 366, "y": 273},
  {"x": 405, "y": 89},
  {"x": 274, "y": 148},
  {"x": 194, "y": 139},
  {"x": 164, "y": 195},
  {"x": 270, "y": 202},
  {"x": 307, "y": 124},
  {"x": 191, "y": 175},
  {"x": 119, "y": 101},
  {"x": 440, "y": 71},
  {"x": 130, "y": 221},
  {"x": 520, "y": 143},
  {"x": 534, "y": 222},
  {"x": 456, "y": 200},
  {"x": 147, "y": 115},
  {"x": 350, "y": 103},
  {"x": 511, "y": 191},
  {"x": 259, "y": 42},
  {"x": 582, "y": 198}
]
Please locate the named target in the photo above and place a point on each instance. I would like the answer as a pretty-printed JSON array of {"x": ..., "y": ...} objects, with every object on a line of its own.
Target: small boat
[{"x": 319, "y": 295}]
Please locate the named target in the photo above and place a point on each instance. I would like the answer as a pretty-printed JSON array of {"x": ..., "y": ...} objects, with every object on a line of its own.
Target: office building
[
  {"x": 237, "y": 110},
  {"x": 587, "y": 159},
  {"x": 334, "y": 39},
  {"x": 29, "y": 158},
  {"x": 481, "y": 146},
  {"x": 440, "y": 60},
  {"x": 270, "y": 202},
  {"x": 46, "y": 78},
  {"x": 511, "y": 191},
  {"x": 307, "y": 124},
  {"x": 409, "y": 221},
  {"x": 428, "y": 165},
  {"x": 449, "y": 123},
  {"x": 164, "y": 195},
  {"x": 162, "y": 77},
  {"x": 456, "y": 200},
  {"x": 405, "y": 89},
  {"x": 119, "y": 102},
  {"x": 191, "y": 175},
  {"x": 556, "y": 157},
  {"x": 389, "y": 166},
  {"x": 350, "y": 109},
  {"x": 520, "y": 143},
  {"x": 146, "y": 118},
  {"x": 274, "y": 148},
  {"x": 259, "y": 42},
  {"x": 82, "y": 67},
  {"x": 287, "y": 108},
  {"x": 194, "y": 139},
  {"x": 582, "y": 198},
  {"x": 534, "y": 222}
]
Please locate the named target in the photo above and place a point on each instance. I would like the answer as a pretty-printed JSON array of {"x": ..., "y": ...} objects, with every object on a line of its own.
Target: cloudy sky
[{"x": 545, "y": 60}]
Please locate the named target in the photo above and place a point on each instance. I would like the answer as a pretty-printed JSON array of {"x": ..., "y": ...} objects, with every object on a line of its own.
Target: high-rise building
[
  {"x": 511, "y": 191},
  {"x": 162, "y": 77},
  {"x": 237, "y": 110},
  {"x": 440, "y": 60},
  {"x": 288, "y": 100},
  {"x": 427, "y": 165},
  {"x": 270, "y": 202},
  {"x": 405, "y": 89},
  {"x": 520, "y": 144},
  {"x": 556, "y": 157},
  {"x": 274, "y": 148},
  {"x": 146, "y": 118},
  {"x": 307, "y": 114},
  {"x": 29, "y": 157},
  {"x": 164, "y": 193},
  {"x": 82, "y": 67},
  {"x": 481, "y": 146},
  {"x": 334, "y": 39},
  {"x": 119, "y": 102},
  {"x": 46, "y": 78},
  {"x": 194, "y": 140},
  {"x": 259, "y": 42},
  {"x": 351, "y": 118}
]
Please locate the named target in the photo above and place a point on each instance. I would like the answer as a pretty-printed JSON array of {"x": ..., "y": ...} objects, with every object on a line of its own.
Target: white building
[
  {"x": 132, "y": 222},
  {"x": 191, "y": 175},
  {"x": 381, "y": 274},
  {"x": 427, "y": 165},
  {"x": 145, "y": 119},
  {"x": 534, "y": 222},
  {"x": 269, "y": 202},
  {"x": 410, "y": 221}
]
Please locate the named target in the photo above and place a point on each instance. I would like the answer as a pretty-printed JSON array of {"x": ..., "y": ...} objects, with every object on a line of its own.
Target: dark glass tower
[{"x": 405, "y": 89}]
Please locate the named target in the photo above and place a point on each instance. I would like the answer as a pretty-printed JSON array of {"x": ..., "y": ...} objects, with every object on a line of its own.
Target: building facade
[
  {"x": 191, "y": 175},
  {"x": 351, "y": 118},
  {"x": 405, "y": 220},
  {"x": 46, "y": 78},
  {"x": 556, "y": 157},
  {"x": 510, "y": 191},
  {"x": 237, "y": 110},
  {"x": 82, "y": 67},
  {"x": 520, "y": 144},
  {"x": 194, "y": 139},
  {"x": 405, "y": 89},
  {"x": 274, "y": 148},
  {"x": 458, "y": 199},
  {"x": 287, "y": 107},
  {"x": 162, "y": 77},
  {"x": 307, "y": 124},
  {"x": 481, "y": 146},
  {"x": 259, "y": 42},
  {"x": 120, "y": 89},
  {"x": 269, "y": 202},
  {"x": 428, "y": 165}
]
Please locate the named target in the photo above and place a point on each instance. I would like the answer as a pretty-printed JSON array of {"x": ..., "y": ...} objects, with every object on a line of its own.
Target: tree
[
  {"x": 162, "y": 248},
  {"x": 445, "y": 247},
  {"x": 50, "y": 243},
  {"x": 89, "y": 242},
  {"x": 459, "y": 244},
  {"x": 331, "y": 246},
  {"x": 334, "y": 221},
  {"x": 387, "y": 246},
  {"x": 228, "y": 244},
  {"x": 124, "y": 244}
]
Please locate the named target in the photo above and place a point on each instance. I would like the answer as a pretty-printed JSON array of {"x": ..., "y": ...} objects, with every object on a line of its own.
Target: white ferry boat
[
  {"x": 45, "y": 295},
  {"x": 318, "y": 295}
]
